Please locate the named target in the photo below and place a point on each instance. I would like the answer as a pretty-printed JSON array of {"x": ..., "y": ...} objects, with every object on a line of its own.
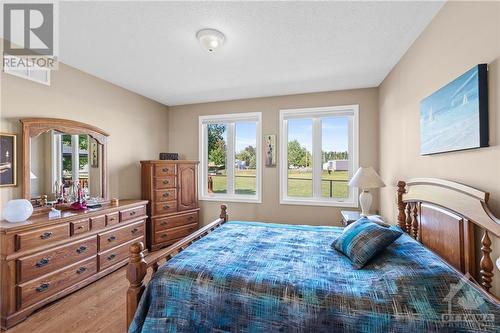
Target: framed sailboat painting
[{"x": 456, "y": 116}]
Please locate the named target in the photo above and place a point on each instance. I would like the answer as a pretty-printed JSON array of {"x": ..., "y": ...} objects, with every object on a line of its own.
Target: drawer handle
[
  {"x": 166, "y": 207},
  {"x": 81, "y": 249},
  {"x": 43, "y": 287},
  {"x": 163, "y": 235},
  {"x": 134, "y": 230},
  {"x": 112, "y": 238},
  {"x": 111, "y": 219},
  {"x": 133, "y": 213},
  {"x": 81, "y": 270},
  {"x": 42, "y": 262},
  {"x": 190, "y": 218},
  {"x": 166, "y": 194},
  {"x": 46, "y": 235},
  {"x": 80, "y": 227},
  {"x": 111, "y": 257},
  {"x": 164, "y": 169},
  {"x": 165, "y": 182},
  {"x": 163, "y": 223}
]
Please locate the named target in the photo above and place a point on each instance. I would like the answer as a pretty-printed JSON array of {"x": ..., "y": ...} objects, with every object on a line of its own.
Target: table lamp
[{"x": 366, "y": 179}]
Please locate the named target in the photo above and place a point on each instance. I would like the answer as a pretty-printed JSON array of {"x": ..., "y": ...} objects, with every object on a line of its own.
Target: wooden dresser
[
  {"x": 45, "y": 259},
  {"x": 171, "y": 188}
]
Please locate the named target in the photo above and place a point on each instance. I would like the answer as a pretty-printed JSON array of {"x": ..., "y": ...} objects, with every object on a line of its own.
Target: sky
[
  {"x": 334, "y": 133},
  {"x": 245, "y": 135}
]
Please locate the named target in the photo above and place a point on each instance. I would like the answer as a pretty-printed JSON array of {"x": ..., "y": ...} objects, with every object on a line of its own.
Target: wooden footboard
[{"x": 138, "y": 264}]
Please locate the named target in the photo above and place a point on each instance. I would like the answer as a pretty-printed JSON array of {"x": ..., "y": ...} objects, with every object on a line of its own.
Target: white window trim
[
  {"x": 203, "y": 149},
  {"x": 317, "y": 200},
  {"x": 27, "y": 72}
]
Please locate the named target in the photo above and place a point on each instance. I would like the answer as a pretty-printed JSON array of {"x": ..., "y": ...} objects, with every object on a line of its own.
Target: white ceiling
[{"x": 272, "y": 48}]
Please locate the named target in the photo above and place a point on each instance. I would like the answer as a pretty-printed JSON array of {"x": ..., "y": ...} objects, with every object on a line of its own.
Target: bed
[{"x": 259, "y": 277}]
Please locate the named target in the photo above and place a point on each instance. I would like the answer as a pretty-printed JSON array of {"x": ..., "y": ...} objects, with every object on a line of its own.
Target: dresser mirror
[{"x": 63, "y": 158}]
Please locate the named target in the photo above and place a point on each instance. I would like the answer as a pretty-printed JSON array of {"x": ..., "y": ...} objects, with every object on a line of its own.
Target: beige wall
[
  {"x": 137, "y": 125},
  {"x": 183, "y": 138},
  {"x": 460, "y": 36}
]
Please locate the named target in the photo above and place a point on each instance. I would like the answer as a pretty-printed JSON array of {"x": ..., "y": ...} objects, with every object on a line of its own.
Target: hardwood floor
[{"x": 99, "y": 307}]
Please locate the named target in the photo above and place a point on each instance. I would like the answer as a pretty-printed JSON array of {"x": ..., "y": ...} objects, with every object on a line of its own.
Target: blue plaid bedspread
[{"x": 260, "y": 277}]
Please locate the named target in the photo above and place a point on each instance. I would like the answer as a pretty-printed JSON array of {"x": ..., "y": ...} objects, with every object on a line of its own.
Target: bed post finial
[
  {"x": 223, "y": 212},
  {"x": 136, "y": 271},
  {"x": 486, "y": 264},
  {"x": 401, "y": 205}
]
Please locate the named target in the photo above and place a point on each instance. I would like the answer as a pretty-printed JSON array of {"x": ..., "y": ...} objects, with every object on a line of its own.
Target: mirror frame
[{"x": 33, "y": 127}]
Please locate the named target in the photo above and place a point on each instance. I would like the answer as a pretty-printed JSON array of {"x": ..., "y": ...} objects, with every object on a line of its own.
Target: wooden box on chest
[
  {"x": 45, "y": 259},
  {"x": 171, "y": 188}
]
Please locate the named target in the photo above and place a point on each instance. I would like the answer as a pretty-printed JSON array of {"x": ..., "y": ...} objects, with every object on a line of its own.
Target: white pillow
[{"x": 379, "y": 220}]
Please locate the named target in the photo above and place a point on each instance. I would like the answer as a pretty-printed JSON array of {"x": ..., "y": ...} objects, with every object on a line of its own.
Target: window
[
  {"x": 319, "y": 153},
  {"x": 37, "y": 74},
  {"x": 74, "y": 161},
  {"x": 230, "y": 157}
]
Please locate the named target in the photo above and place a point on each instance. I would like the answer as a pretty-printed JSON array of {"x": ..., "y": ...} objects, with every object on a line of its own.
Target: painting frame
[
  {"x": 455, "y": 117},
  {"x": 94, "y": 153},
  {"x": 270, "y": 150},
  {"x": 8, "y": 142}
]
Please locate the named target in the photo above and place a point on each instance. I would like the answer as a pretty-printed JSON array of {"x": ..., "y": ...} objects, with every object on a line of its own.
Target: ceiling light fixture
[{"x": 210, "y": 39}]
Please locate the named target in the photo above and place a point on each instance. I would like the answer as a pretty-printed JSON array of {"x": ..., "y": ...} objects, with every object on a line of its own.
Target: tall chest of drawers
[
  {"x": 172, "y": 192},
  {"x": 45, "y": 259}
]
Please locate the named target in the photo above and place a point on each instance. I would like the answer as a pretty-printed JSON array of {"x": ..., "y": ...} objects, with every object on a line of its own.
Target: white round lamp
[
  {"x": 18, "y": 210},
  {"x": 366, "y": 179},
  {"x": 210, "y": 39}
]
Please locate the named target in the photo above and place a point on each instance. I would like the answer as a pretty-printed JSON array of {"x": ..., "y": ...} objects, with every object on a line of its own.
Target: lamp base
[{"x": 365, "y": 201}]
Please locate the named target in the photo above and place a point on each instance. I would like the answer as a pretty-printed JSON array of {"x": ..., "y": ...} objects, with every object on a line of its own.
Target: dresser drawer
[
  {"x": 174, "y": 233},
  {"x": 165, "y": 195},
  {"x": 39, "y": 289},
  {"x": 166, "y": 169},
  {"x": 79, "y": 227},
  {"x": 121, "y": 235},
  {"x": 165, "y": 207},
  {"x": 32, "y": 239},
  {"x": 165, "y": 182},
  {"x": 112, "y": 218},
  {"x": 132, "y": 213},
  {"x": 175, "y": 221},
  {"x": 98, "y": 222},
  {"x": 39, "y": 264},
  {"x": 116, "y": 254}
]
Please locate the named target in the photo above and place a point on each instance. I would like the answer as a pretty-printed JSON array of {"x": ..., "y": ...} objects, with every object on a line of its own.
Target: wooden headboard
[{"x": 441, "y": 215}]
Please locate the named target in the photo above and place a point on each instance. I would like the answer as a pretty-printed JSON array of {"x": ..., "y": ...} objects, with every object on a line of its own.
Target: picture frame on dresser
[{"x": 171, "y": 188}]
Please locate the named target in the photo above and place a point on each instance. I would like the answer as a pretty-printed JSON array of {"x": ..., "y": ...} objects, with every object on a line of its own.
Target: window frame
[
  {"x": 353, "y": 150},
  {"x": 27, "y": 72},
  {"x": 229, "y": 119}
]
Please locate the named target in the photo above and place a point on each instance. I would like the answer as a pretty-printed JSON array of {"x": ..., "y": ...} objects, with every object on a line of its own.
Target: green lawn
[
  {"x": 299, "y": 183},
  {"x": 245, "y": 182}
]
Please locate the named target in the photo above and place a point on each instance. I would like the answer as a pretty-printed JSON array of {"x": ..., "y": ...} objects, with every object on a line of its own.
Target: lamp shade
[
  {"x": 366, "y": 178},
  {"x": 18, "y": 210}
]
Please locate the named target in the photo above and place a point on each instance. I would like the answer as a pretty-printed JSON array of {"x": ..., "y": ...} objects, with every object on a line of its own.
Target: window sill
[
  {"x": 242, "y": 199},
  {"x": 312, "y": 202}
]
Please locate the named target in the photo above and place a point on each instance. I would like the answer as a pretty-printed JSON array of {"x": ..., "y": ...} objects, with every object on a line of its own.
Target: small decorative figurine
[
  {"x": 43, "y": 200},
  {"x": 80, "y": 203}
]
